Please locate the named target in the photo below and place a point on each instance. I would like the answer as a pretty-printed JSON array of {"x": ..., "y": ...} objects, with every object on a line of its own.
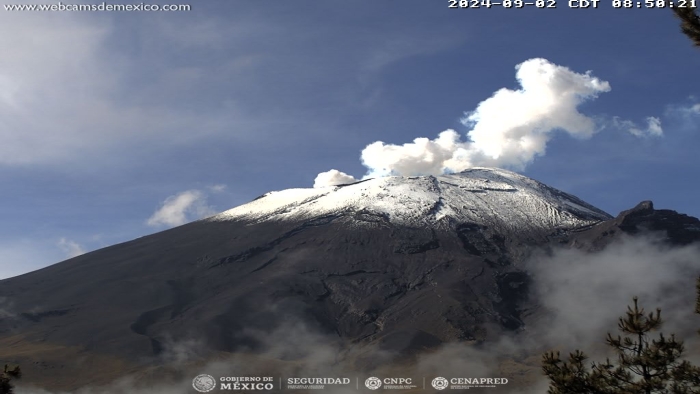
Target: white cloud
[
  {"x": 683, "y": 117},
  {"x": 509, "y": 129},
  {"x": 684, "y": 110},
  {"x": 653, "y": 128},
  {"x": 180, "y": 209},
  {"x": 420, "y": 157},
  {"x": 98, "y": 95},
  {"x": 512, "y": 127},
  {"x": 50, "y": 66},
  {"x": 217, "y": 188},
  {"x": 63, "y": 68},
  {"x": 332, "y": 178},
  {"x": 70, "y": 248}
]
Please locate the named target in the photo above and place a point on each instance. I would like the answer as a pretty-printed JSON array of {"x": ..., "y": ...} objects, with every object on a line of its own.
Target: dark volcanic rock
[
  {"x": 403, "y": 263},
  {"x": 674, "y": 228},
  {"x": 228, "y": 280},
  {"x": 680, "y": 229}
]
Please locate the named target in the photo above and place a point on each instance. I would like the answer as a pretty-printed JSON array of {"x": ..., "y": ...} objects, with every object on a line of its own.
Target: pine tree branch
[
  {"x": 690, "y": 24},
  {"x": 644, "y": 365}
]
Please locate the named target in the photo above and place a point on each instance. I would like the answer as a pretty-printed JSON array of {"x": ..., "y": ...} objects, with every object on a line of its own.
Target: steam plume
[{"x": 509, "y": 129}]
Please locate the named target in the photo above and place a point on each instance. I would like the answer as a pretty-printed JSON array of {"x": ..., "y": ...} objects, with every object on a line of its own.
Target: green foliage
[
  {"x": 644, "y": 365},
  {"x": 690, "y": 23},
  {"x": 6, "y": 377},
  {"x": 570, "y": 376}
]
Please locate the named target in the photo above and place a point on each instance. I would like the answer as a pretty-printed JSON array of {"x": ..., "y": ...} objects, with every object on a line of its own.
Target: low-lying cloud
[
  {"x": 6, "y": 308},
  {"x": 579, "y": 297},
  {"x": 585, "y": 294},
  {"x": 509, "y": 129}
]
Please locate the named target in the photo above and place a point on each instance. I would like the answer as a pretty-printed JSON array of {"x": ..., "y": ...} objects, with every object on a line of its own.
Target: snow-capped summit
[{"x": 485, "y": 196}]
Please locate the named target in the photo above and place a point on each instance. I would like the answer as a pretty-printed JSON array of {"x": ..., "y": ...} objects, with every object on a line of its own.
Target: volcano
[{"x": 401, "y": 263}]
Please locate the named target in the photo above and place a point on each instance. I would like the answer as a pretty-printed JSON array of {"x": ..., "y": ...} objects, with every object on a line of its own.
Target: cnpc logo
[{"x": 375, "y": 383}]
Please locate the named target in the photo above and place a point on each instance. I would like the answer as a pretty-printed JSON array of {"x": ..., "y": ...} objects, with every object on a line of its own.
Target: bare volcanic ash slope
[{"x": 400, "y": 263}]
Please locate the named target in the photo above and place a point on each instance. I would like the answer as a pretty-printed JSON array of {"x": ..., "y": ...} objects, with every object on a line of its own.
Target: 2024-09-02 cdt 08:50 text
[{"x": 571, "y": 4}]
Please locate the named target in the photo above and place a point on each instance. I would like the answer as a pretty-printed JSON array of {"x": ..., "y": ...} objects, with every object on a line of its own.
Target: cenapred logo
[
  {"x": 204, "y": 383},
  {"x": 440, "y": 383},
  {"x": 373, "y": 383}
]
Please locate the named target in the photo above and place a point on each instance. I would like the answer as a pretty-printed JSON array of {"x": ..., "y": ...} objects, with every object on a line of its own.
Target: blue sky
[{"x": 114, "y": 125}]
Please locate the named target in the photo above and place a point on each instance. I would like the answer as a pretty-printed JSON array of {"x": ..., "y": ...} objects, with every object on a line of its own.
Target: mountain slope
[{"x": 400, "y": 263}]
